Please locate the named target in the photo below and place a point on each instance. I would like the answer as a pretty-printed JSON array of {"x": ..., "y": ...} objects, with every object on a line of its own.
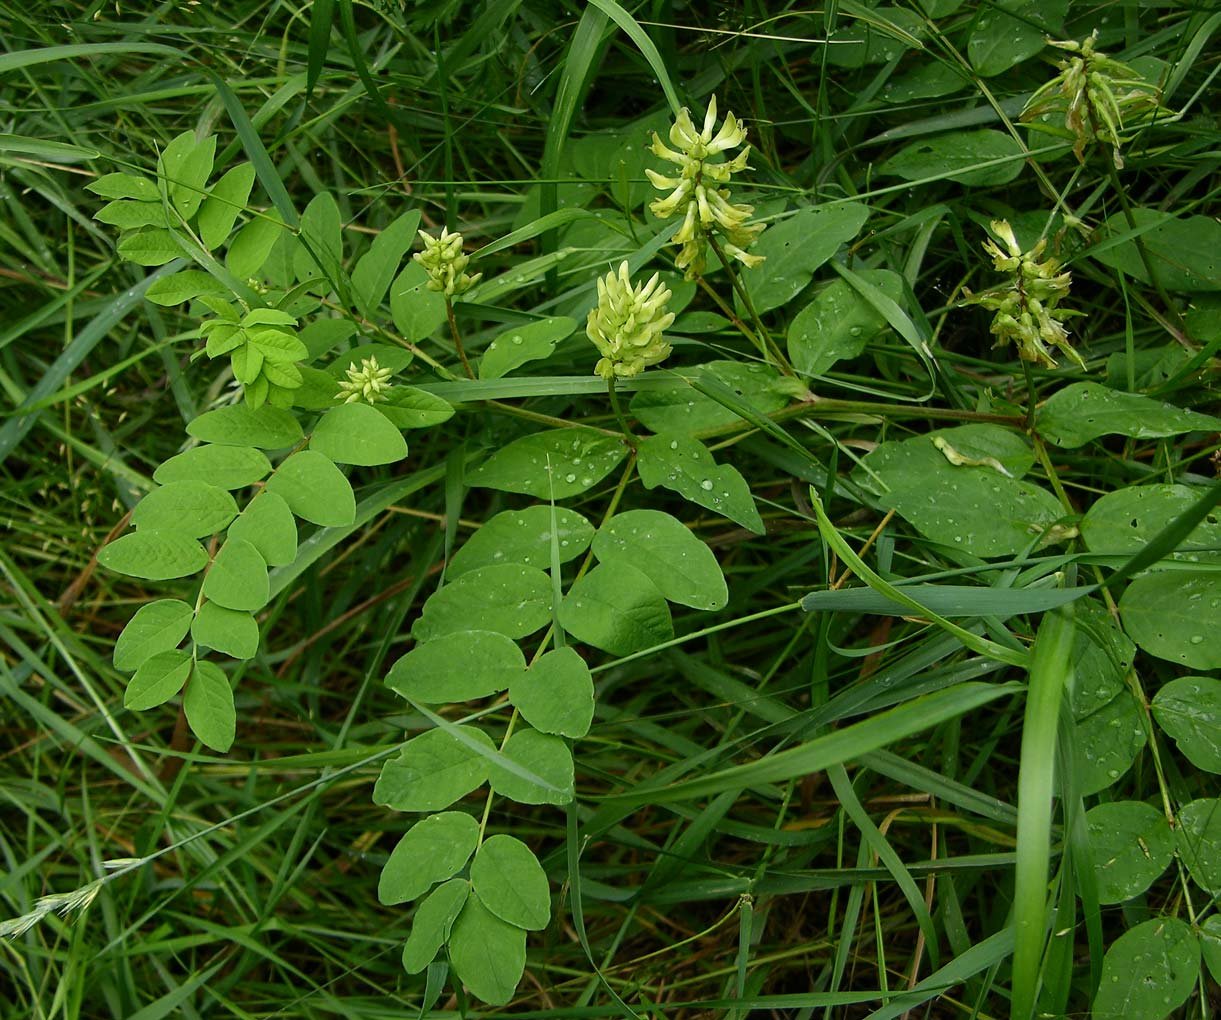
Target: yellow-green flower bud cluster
[
  {"x": 369, "y": 383},
  {"x": 442, "y": 257},
  {"x": 1024, "y": 308},
  {"x": 1097, "y": 93},
  {"x": 627, "y": 324},
  {"x": 693, "y": 193}
]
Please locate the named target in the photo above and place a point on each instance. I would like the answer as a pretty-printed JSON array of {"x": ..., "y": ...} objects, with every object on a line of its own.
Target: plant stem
[
  {"x": 781, "y": 361},
  {"x": 453, "y": 331},
  {"x": 1030, "y": 394},
  {"x": 628, "y": 436}
]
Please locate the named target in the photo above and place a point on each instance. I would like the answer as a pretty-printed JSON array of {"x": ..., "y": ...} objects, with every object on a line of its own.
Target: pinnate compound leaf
[
  {"x": 682, "y": 408},
  {"x": 231, "y": 631},
  {"x": 523, "y": 536},
  {"x": 556, "y": 695},
  {"x": 795, "y": 247},
  {"x": 226, "y": 199},
  {"x": 154, "y": 555},
  {"x": 375, "y": 269},
  {"x": 433, "y": 920},
  {"x": 157, "y": 680},
  {"x": 408, "y": 407},
  {"x": 1123, "y": 522},
  {"x": 1199, "y": 840},
  {"x": 509, "y": 880},
  {"x": 556, "y": 464},
  {"x": 488, "y": 954},
  {"x": 156, "y": 627},
  {"x": 435, "y": 769},
  {"x": 314, "y": 489},
  {"x": 238, "y": 578},
  {"x": 536, "y": 769},
  {"x": 267, "y": 524},
  {"x": 431, "y": 851},
  {"x": 1084, "y": 411},
  {"x": 460, "y": 666},
  {"x": 685, "y": 466},
  {"x": 208, "y": 704},
  {"x": 616, "y": 608},
  {"x": 660, "y": 546},
  {"x": 1132, "y": 845},
  {"x": 358, "y": 434},
  {"x": 230, "y": 467},
  {"x": 192, "y": 507},
  {"x": 509, "y": 599},
  {"x": 1173, "y": 615},
  {"x": 1189, "y": 710},
  {"x": 1148, "y": 972},
  {"x": 267, "y": 428},
  {"x": 531, "y": 342}
]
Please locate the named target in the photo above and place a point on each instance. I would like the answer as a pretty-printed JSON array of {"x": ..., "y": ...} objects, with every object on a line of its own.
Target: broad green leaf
[
  {"x": 278, "y": 347},
  {"x": 509, "y": 880},
  {"x": 539, "y": 769},
  {"x": 231, "y": 631},
  {"x": 929, "y": 80},
  {"x": 1123, "y": 522},
  {"x": 252, "y": 245},
  {"x": 1148, "y": 972},
  {"x": 435, "y": 769},
  {"x": 955, "y": 154},
  {"x": 532, "y": 342},
  {"x": 267, "y": 524},
  {"x": 314, "y": 489},
  {"x": 1210, "y": 944},
  {"x": 410, "y": 408},
  {"x": 388, "y": 356},
  {"x": 156, "y": 627},
  {"x": 1189, "y": 710},
  {"x": 1173, "y": 615},
  {"x": 319, "y": 250},
  {"x": 488, "y": 954},
  {"x": 230, "y": 467},
  {"x": 839, "y": 322},
  {"x": 508, "y": 598},
  {"x": 1012, "y": 31},
  {"x": 682, "y": 408},
  {"x": 523, "y": 536},
  {"x": 358, "y": 434},
  {"x": 1182, "y": 250},
  {"x": 226, "y": 199},
  {"x": 432, "y": 922},
  {"x": 318, "y": 390},
  {"x": 795, "y": 247},
  {"x": 550, "y": 465},
  {"x": 192, "y": 507},
  {"x": 376, "y": 268},
  {"x": 247, "y": 363},
  {"x": 157, "y": 680},
  {"x": 1199, "y": 841},
  {"x": 966, "y": 505},
  {"x": 1084, "y": 411},
  {"x": 154, "y": 555},
  {"x": 416, "y": 310},
  {"x": 660, "y": 546},
  {"x": 238, "y": 578},
  {"x": 125, "y": 186},
  {"x": 461, "y": 666},
  {"x": 881, "y": 36},
  {"x": 432, "y": 850},
  {"x": 1132, "y": 845},
  {"x": 208, "y": 704},
  {"x": 127, "y": 215},
  {"x": 685, "y": 466},
  {"x": 321, "y": 335},
  {"x": 149, "y": 246},
  {"x": 182, "y": 286},
  {"x": 184, "y": 167},
  {"x": 556, "y": 695},
  {"x": 616, "y": 608}
]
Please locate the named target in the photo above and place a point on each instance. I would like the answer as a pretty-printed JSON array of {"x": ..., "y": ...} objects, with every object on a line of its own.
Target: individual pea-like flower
[
  {"x": 1024, "y": 306},
  {"x": 627, "y": 324},
  {"x": 694, "y": 192},
  {"x": 1096, "y": 92},
  {"x": 442, "y": 257},
  {"x": 368, "y": 383}
]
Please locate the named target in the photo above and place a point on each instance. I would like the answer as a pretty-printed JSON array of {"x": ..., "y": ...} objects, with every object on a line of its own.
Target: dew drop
[{"x": 706, "y": 485}]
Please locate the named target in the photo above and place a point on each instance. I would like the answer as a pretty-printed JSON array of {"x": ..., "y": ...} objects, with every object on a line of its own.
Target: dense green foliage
[{"x": 607, "y": 510}]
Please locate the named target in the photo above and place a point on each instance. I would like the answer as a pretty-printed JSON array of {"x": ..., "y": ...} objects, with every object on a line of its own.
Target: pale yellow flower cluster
[
  {"x": 626, "y": 325},
  {"x": 369, "y": 383},
  {"x": 442, "y": 257}
]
